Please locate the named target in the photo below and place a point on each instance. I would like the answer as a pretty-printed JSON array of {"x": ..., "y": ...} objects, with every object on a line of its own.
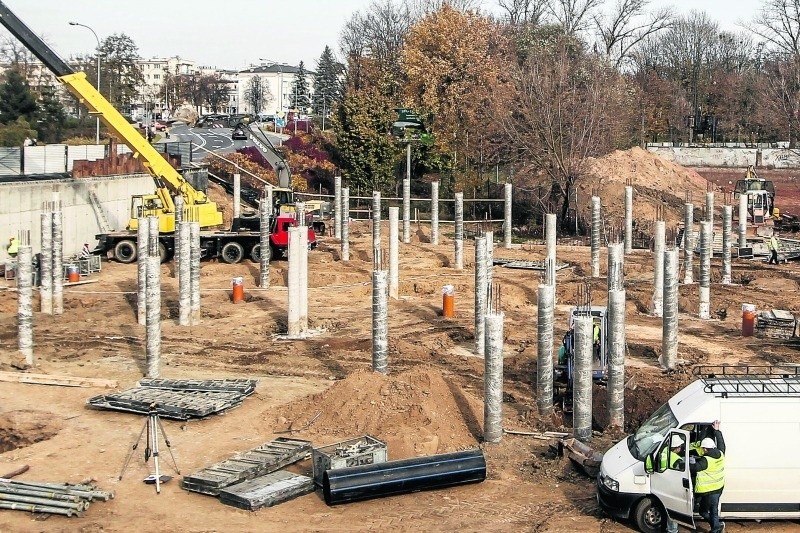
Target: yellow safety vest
[
  {"x": 713, "y": 477},
  {"x": 13, "y": 247}
]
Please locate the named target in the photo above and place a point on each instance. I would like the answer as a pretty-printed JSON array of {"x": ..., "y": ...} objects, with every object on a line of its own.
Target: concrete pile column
[
  {"x": 657, "y": 306},
  {"x": 595, "y": 243},
  {"x": 337, "y": 207},
  {"x": 481, "y": 287},
  {"x": 489, "y": 257},
  {"x": 376, "y": 221},
  {"x": 743, "y": 221},
  {"x": 380, "y": 321},
  {"x": 303, "y": 279},
  {"x": 727, "y": 227},
  {"x": 237, "y": 195},
  {"x": 705, "y": 270},
  {"x": 507, "y": 217},
  {"x": 616, "y": 339},
  {"x": 688, "y": 243},
  {"x": 407, "y": 198},
  {"x": 179, "y": 204},
  {"x": 142, "y": 251},
  {"x": 194, "y": 271},
  {"x": 616, "y": 265},
  {"x": 582, "y": 379},
  {"x": 394, "y": 252},
  {"x": 25, "y": 297},
  {"x": 628, "y": 219},
  {"x": 459, "y": 231},
  {"x": 46, "y": 263},
  {"x": 264, "y": 250},
  {"x": 710, "y": 208},
  {"x": 550, "y": 259},
  {"x": 669, "y": 323},
  {"x": 293, "y": 283},
  {"x": 493, "y": 378},
  {"x": 544, "y": 349},
  {"x": 153, "y": 322},
  {"x": 58, "y": 258},
  {"x": 435, "y": 212},
  {"x": 345, "y": 235},
  {"x": 184, "y": 267}
]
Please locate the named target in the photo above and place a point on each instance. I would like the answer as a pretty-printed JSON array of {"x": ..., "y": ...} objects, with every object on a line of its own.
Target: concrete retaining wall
[
  {"x": 22, "y": 203},
  {"x": 728, "y": 157}
]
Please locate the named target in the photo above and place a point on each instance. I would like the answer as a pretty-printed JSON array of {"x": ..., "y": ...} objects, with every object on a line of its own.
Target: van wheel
[
  {"x": 650, "y": 516},
  {"x": 255, "y": 253},
  {"x": 125, "y": 251},
  {"x": 232, "y": 252}
]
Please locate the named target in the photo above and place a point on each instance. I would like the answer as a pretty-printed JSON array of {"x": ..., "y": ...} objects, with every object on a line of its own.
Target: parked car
[{"x": 159, "y": 126}]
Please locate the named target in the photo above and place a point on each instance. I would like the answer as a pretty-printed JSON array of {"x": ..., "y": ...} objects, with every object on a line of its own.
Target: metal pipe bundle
[{"x": 52, "y": 498}]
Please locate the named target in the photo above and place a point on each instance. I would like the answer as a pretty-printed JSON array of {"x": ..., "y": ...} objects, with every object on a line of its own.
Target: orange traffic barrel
[
  {"x": 448, "y": 301},
  {"x": 748, "y": 319},
  {"x": 238, "y": 290},
  {"x": 73, "y": 273}
]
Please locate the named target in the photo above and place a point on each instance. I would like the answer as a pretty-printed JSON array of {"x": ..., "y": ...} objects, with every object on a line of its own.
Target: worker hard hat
[
  {"x": 708, "y": 443},
  {"x": 676, "y": 441}
]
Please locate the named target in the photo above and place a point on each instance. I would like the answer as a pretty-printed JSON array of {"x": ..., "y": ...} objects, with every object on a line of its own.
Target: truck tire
[
  {"x": 162, "y": 253},
  {"x": 275, "y": 252},
  {"x": 125, "y": 251},
  {"x": 650, "y": 516},
  {"x": 232, "y": 252},
  {"x": 255, "y": 253}
]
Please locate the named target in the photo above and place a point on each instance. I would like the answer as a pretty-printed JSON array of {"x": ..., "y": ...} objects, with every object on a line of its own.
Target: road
[{"x": 216, "y": 140}]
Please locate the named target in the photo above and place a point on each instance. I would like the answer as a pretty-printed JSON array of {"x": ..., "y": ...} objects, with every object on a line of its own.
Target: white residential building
[{"x": 278, "y": 78}]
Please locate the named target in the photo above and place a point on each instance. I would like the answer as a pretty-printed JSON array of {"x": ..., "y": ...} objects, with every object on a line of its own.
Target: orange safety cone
[
  {"x": 73, "y": 273},
  {"x": 448, "y": 301},
  {"x": 238, "y": 290}
]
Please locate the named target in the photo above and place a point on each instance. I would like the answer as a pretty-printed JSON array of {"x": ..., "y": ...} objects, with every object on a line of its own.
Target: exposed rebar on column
[
  {"x": 544, "y": 349},
  {"x": 489, "y": 257},
  {"x": 407, "y": 198},
  {"x": 376, "y": 220},
  {"x": 710, "y": 208},
  {"x": 481, "y": 286},
  {"x": 142, "y": 234},
  {"x": 293, "y": 283},
  {"x": 153, "y": 322},
  {"x": 300, "y": 213},
  {"x": 493, "y": 379},
  {"x": 394, "y": 251},
  {"x": 727, "y": 230},
  {"x": 657, "y": 306},
  {"x": 435, "y": 212},
  {"x": 705, "y": 270},
  {"x": 628, "y": 219},
  {"x": 459, "y": 237},
  {"x": 669, "y": 324},
  {"x": 264, "y": 250},
  {"x": 337, "y": 207},
  {"x": 184, "y": 266},
  {"x": 582, "y": 379},
  {"x": 688, "y": 243},
  {"x": 179, "y": 204},
  {"x": 380, "y": 322},
  {"x": 303, "y": 287},
  {"x": 237, "y": 195},
  {"x": 595, "y": 244},
  {"x": 743, "y": 221},
  {"x": 345, "y": 224},
  {"x": 58, "y": 258},
  {"x": 194, "y": 273},
  {"x": 507, "y": 217},
  {"x": 25, "y": 297},
  {"x": 46, "y": 264},
  {"x": 616, "y": 357}
]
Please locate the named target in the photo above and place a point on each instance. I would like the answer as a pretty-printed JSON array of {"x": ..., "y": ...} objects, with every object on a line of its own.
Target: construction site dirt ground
[{"x": 324, "y": 390}]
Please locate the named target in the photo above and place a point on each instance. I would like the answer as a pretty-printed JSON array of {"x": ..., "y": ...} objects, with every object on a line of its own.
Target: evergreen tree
[
  {"x": 16, "y": 99},
  {"x": 300, "y": 90},
  {"x": 327, "y": 87},
  {"x": 51, "y": 116}
]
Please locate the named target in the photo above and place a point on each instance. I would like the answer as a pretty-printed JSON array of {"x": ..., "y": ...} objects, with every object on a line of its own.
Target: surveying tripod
[{"x": 153, "y": 426}]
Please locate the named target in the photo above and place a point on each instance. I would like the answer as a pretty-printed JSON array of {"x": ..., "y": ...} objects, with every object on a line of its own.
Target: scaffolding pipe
[
  {"x": 459, "y": 237},
  {"x": 727, "y": 230},
  {"x": 743, "y": 221},
  {"x": 628, "y": 219},
  {"x": 544, "y": 349},
  {"x": 194, "y": 270},
  {"x": 616, "y": 359},
  {"x": 710, "y": 208},
  {"x": 264, "y": 250},
  {"x": 380, "y": 322},
  {"x": 658, "y": 271},
  {"x": 46, "y": 264},
  {"x": 582, "y": 379},
  {"x": 142, "y": 235},
  {"x": 595, "y": 236},
  {"x": 481, "y": 287},
  {"x": 435, "y": 213},
  {"x": 345, "y": 224},
  {"x": 669, "y": 323},
  {"x": 407, "y": 198},
  {"x": 184, "y": 267},
  {"x": 153, "y": 299},
  {"x": 25, "y": 298},
  {"x": 293, "y": 283},
  {"x": 493, "y": 379},
  {"x": 376, "y": 222},
  {"x": 394, "y": 251},
  {"x": 705, "y": 270},
  {"x": 337, "y": 207},
  {"x": 688, "y": 243},
  {"x": 507, "y": 217},
  {"x": 58, "y": 258}
]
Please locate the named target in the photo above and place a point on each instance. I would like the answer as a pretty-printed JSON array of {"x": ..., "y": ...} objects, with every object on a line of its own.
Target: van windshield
[{"x": 652, "y": 432}]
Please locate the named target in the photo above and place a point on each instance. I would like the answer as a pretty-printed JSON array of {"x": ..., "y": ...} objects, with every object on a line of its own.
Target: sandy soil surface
[
  {"x": 431, "y": 402},
  {"x": 787, "y": 184}
]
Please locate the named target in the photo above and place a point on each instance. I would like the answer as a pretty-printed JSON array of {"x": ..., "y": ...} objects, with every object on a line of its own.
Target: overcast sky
[{"x": 233, "y": 34}]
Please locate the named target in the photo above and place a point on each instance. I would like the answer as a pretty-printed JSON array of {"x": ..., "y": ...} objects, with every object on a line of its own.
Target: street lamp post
[{"x": 97, "y": 130}]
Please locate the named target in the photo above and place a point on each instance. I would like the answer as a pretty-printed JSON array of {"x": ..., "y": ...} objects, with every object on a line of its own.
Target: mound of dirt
[
  {"x": 418, "y": 412},
  {"x": 25, "y": 427}
]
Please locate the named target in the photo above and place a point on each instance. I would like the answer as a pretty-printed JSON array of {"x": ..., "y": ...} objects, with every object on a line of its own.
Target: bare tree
[
  {"x": 778, "y": 23},
  {"x": 523, "y": 11},
  {"x": 257, "y": 94},
  {"x": 628, "y": 25},
  {"x": 573, "y": 15},
  {"x": 14, "y": 54},
  {"x": 419, "y": 8}
]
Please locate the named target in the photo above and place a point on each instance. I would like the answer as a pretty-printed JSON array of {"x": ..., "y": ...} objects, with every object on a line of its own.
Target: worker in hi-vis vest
[
  {"x": 774, "y": 245},
  {"x": 710, "y": 477}
]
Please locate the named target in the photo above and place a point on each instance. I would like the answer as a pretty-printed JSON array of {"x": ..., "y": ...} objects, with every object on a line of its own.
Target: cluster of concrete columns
[{"x": 187, "y": 263}]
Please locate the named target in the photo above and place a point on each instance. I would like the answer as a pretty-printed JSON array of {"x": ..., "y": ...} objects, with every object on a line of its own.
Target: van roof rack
[{"x": 750, "y": 380}]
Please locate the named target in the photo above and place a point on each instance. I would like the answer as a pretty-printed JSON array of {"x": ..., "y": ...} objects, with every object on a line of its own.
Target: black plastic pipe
[{"x": 366, "y": 482}]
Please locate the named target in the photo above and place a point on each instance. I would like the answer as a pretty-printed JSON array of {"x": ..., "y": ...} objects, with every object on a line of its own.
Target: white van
[{"x": 759, "y": 411}]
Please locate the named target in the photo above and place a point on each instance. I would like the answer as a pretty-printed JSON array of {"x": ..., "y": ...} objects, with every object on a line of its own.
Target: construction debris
[
  {"x": 52, "y": 498},
  {"x": 266, "y": 491},
  {"x": 364, "y": 450},
  {"x": 526, "y": 265},
  {"x": 62, "y": 381},
  {"x": 776, "y": 324},
  {"x": 585, "y": 458}
]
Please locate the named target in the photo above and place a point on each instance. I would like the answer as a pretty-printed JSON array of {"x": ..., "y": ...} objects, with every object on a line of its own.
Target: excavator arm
[{"x": 168, "y": 180}]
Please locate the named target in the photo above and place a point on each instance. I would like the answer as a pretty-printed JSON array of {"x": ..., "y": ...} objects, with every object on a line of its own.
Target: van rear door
[{"x": 671, "y": 481}]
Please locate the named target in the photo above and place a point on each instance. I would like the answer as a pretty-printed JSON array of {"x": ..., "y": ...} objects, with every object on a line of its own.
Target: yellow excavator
[{"x": 168, "y": 181}]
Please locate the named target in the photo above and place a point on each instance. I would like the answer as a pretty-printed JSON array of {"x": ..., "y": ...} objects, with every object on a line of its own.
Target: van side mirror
[{"x": 648, "y": 464}]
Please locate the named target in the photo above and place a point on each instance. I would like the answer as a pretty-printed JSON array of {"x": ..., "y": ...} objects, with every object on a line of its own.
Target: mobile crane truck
[{"x": 229, "y": 246}]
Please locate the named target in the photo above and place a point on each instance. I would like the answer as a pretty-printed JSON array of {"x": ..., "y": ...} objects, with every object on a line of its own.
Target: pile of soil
[
  {"x": 418, "y": 412},
  {"x": 25, "y": 427}
]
